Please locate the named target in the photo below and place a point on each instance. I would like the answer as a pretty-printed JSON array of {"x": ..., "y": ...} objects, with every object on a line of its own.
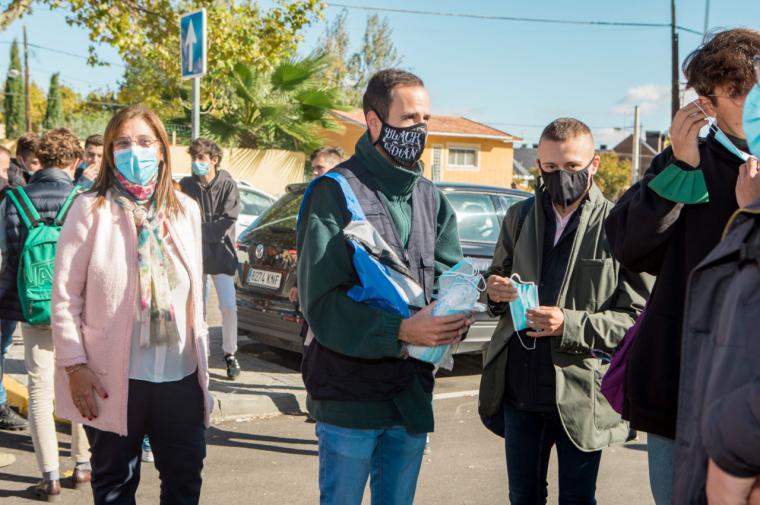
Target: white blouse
[{"x": 163, "y": 362}]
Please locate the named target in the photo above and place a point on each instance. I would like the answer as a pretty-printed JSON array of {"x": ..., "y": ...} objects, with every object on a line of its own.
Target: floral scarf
[{"x": 158, "y": 324}]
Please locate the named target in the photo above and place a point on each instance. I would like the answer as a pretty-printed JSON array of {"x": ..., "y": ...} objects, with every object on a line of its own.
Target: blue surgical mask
[
  {"x": 199, "y": 168},
  {"x": 722, "y": 138},
  {"x": 138, "y": 165},
  {"x": 527, "y": 298},
  {"x": 751, "y": 120}
]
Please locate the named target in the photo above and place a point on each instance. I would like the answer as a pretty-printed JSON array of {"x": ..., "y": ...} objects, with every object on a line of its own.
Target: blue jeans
[
  {"x": 391, "y": 457},
  {"x": 529, "y": 440},
  {"x": 660, "y": 452},
  {"x": 6, "y": 339}
]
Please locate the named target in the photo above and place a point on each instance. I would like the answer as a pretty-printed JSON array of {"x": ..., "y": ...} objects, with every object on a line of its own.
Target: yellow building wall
[
  {"x": 495, "y": 158},
  {"x": 267, "y": 170}
]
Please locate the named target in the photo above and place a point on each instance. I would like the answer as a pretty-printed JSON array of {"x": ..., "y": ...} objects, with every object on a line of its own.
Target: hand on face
[{"x": 684, "y": 133}]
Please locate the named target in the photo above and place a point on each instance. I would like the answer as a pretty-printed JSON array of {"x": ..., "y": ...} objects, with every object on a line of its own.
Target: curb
[
  {"x": 229, "y": 407},
  {"x": 18, "y": 394}
]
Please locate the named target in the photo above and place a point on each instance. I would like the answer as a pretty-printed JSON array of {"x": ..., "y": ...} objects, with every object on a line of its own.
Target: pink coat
[{"x": 93, "y": 305}]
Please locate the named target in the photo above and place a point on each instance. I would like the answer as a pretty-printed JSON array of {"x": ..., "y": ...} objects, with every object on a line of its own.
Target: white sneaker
[
  {"x": 147, "y": 452},
  {"x": 147, "y": 456}
]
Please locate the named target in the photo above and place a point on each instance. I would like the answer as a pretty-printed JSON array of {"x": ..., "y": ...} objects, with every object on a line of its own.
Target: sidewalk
[{"x": 263, "y": 389}]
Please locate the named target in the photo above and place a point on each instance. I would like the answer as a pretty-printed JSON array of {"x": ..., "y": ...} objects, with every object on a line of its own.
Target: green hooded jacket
[{"x": 600, "y": 300}]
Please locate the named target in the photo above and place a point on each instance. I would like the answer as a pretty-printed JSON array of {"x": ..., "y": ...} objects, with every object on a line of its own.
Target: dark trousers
[
  {"x": 171, "y": 414},
  {"x": 529, "y": 440}
]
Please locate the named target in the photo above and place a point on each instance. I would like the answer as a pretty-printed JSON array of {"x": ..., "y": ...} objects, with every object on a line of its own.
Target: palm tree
[{"x": 282, "y": 108}]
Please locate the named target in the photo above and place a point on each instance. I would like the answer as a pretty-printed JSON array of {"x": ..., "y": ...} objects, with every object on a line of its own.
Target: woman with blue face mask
[{"x": 127, "y": 318}]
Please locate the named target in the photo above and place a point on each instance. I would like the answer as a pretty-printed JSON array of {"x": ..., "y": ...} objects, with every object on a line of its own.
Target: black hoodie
[
  {"x": 667, "y": 239},
  {"x": 219, "y": 202}
]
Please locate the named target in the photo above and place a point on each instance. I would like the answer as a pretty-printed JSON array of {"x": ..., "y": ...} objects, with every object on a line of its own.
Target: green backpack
[{"x": 37, "y": 258}]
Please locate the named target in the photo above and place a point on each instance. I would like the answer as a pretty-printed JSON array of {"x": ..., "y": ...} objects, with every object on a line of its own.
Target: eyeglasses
[
  {"x": 126, "y": 142},
  {"x": 736, "y": 97},
  {"x": 756, "y": 62}
]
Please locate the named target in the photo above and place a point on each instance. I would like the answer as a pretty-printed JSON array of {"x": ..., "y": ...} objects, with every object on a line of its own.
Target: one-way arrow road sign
[{"x": 192, "y": 28}]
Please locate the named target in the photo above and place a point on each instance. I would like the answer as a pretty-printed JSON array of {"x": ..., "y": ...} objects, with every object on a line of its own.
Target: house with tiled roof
[{"x": 458, "y": 149}]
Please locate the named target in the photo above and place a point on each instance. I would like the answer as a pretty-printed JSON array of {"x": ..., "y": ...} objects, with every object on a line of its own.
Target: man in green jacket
[
  {"x": 372, "y": 403},
  {"x": 543, "y": 381}
]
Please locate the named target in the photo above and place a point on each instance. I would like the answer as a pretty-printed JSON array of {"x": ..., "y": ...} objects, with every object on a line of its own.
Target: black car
[{"x": 267, "y": 254}]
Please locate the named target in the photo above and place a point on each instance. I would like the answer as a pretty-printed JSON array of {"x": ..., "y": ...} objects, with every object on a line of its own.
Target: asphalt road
[{"x": 274, "y": 461}]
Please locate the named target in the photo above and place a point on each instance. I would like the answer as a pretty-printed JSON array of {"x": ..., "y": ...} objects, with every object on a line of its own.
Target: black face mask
[
  {"x": 566, "y": 188},
  {"x": 403, "y": 145}
]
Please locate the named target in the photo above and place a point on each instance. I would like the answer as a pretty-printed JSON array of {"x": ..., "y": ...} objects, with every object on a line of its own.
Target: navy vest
[{"x": 329, "y": 375}]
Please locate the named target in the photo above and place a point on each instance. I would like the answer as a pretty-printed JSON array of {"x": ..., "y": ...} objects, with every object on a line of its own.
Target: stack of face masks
[
  {"x": 459, "y": 289},
  {"x": 527, "y": 299}
]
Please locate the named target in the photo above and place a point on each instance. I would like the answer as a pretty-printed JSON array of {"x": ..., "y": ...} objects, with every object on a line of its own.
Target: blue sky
[{"x": 515, "y": 76}]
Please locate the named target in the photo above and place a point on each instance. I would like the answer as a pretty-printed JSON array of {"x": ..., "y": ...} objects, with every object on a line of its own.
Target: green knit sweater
[{"x": 355, "y": 329}]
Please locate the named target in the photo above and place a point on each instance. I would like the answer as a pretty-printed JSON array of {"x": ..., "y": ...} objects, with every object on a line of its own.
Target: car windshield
[
  {"x": 476, "y": 216},
  {"x": 283, "y": 212},
  {"x": 253, "y": 203}
]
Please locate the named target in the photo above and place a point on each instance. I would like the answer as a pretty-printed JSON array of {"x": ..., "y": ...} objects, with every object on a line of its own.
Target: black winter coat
[
  {"x": 219, "y": 202},
  {"x": 719, "y": 396}
]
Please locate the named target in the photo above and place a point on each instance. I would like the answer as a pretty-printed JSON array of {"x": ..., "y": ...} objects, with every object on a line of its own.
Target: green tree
[
  {"x": 146, "y": 35},
  {"x": 376, "y": 53},
  {"x": 15, "y": 118},
  {"x": 614, "y": 175},
  {"x": 334, "y": 43},
  {"x": 282, "y": 108},
  {"x": 38, "y": 103},
  {"x": 54, "y": 111}
]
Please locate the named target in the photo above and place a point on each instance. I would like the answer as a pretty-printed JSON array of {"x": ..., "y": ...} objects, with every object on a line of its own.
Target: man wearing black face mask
[
  {"x": 373, "y": 403},
  {"x": 542, "y": 384}
]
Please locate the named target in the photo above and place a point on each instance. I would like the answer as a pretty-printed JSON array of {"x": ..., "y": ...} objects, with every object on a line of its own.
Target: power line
[
  {"x": 512, "y": 18},
  {"x": 523, "y": 125},
  {"x": 66, "y": 53}
]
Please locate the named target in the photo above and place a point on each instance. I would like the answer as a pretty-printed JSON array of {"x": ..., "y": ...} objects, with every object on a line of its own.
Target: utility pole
[
  {"x": 27, "y": 86},
  {"x": 675, "y": 97},
  {"x": 636, "y": 151}
]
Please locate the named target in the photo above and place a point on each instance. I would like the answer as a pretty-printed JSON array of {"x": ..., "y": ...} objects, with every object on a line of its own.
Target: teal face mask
[
  {"x": 722, "y": 138},
  {"x": 527, "y": 298},
  {"x": 751, "y": 120},
  {"x": 199, "y": 168}
]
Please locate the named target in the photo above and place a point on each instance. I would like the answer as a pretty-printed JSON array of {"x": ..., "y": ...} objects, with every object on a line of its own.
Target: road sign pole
[
  {"x": 193, "y": 49},
  {"x": 196, "y": 107}
]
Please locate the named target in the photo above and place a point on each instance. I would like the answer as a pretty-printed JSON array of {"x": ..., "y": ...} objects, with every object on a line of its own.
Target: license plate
[{"x": 264, "y": 279}]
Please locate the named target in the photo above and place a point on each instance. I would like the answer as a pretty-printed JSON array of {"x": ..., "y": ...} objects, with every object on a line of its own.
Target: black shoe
[
  {"x": 233, "y": 367},
  {"x": 11, "y": 421}
]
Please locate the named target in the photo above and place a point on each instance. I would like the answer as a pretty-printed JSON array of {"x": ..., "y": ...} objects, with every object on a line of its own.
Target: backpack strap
[
  {"x": 26, "y": 210},
  {"x": 59, "y": 218},
  {"x": 518, "y": 224}
]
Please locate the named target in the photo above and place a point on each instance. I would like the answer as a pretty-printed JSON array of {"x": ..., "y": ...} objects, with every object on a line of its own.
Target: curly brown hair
[
  {"x": 59, "y": 148},
  {"x": 724, "y": 59}
]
